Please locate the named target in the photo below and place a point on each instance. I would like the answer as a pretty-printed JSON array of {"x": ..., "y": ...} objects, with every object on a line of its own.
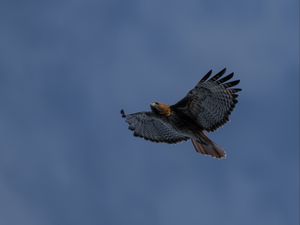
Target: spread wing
[
  {"x": 211, "y": 101},
  {"x": 152, "y": 127}
]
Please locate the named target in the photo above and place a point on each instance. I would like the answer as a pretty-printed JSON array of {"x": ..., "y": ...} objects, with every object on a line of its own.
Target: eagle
[{"x": 204, "y": 109}]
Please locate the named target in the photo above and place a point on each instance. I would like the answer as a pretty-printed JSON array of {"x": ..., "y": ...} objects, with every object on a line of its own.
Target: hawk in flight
[{"x": 205, "y": 108}]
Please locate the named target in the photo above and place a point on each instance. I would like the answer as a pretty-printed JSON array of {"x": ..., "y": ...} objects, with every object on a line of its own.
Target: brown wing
[
  {"x": 211, "y": 101},
  {"x": 152, "y": 127}
]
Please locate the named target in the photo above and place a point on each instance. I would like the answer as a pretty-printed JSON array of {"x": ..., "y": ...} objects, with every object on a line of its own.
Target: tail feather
[{"x": 208, "y": 147}]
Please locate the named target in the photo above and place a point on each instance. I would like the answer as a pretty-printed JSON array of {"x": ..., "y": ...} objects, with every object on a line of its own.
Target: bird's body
[
  {"x": 205, "y": 108},
  {"x": 179, "y": 121}
]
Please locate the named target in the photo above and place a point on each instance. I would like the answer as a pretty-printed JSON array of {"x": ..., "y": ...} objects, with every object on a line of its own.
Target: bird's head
[{"x": 161, "y": 108}]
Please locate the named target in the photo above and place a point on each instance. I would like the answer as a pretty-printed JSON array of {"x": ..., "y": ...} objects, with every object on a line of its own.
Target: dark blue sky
[{"x": 68, "y": 67}]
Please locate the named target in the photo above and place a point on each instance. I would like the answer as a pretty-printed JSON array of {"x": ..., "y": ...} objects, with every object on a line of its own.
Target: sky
[{"x": 68, "y": 67}]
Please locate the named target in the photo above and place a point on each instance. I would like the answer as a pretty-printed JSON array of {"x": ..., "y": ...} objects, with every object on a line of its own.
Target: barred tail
[{"x": 207, "y": 147}]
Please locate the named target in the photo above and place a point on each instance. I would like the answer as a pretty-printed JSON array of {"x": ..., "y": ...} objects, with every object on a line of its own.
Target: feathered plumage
[{"x": 205, "y": 108}]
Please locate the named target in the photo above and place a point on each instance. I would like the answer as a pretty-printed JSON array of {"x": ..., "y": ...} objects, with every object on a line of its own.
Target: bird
[{"x": 205, "y": 108}]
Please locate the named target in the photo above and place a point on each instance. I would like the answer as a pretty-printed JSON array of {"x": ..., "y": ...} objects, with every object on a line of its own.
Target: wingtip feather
[
  {"x": 218, "y": 75},
  {"x": 226, "y": 78},
  {"x": 123, "y": 113},
  {"x": 206, "y": 76}
]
